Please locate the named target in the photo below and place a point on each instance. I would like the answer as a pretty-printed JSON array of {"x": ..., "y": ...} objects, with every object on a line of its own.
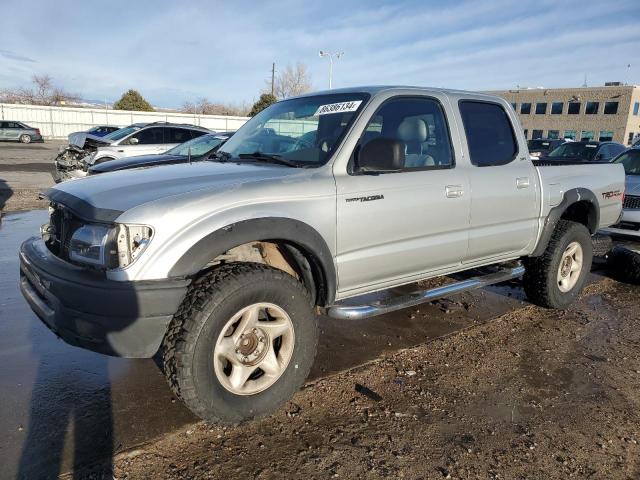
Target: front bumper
[{"x": 85, "y": 309}]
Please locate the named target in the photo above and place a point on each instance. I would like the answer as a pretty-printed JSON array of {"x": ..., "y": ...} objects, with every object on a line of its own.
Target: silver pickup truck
[{"x": 315, "y": 204}]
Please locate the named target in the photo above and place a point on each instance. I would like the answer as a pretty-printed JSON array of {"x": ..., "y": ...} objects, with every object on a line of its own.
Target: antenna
[{"x": 584, "y": 85}]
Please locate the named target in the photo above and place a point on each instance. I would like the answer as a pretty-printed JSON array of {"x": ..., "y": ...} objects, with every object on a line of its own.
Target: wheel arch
[
  {"x": 578, "y": 205},
  {"x": 302, "y": 244}
]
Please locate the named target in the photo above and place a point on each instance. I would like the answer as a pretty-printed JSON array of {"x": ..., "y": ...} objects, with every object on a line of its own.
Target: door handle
[
  {"x": 454, "y": 191},
  {"x": 522, "y": 182}
]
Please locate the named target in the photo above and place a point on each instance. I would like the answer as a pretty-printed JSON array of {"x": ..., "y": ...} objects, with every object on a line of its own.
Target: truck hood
[
  {"x": 632, "y": 185},
  {"x": 139, "y": 161},
  {"x": 105, "y": 197}
]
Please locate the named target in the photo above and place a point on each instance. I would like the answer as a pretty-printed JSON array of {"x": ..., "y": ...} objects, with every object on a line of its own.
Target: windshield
[
  {"x": 304, "y": 130},
  {"x": 586, "y": 151},
  {"x": 631, "y": 162},
  {"x": 123, "y": 132},
  {"x": 199, "y": 146}
]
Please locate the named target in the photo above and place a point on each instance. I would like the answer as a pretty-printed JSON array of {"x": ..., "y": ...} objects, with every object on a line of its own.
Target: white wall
[{"x": 58, "y": 122}]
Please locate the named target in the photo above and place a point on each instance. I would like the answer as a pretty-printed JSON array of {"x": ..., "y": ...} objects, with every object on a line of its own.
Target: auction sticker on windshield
[{"x": 339, "y": 107}]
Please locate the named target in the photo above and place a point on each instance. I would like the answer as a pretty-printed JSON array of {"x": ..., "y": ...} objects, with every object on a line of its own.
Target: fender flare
[
  {"x": 555, "y": 214},
  {"x": 298, "y": 233}
]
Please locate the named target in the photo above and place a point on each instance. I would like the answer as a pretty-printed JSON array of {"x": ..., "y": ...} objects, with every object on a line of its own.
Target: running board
[{"x": 380, "y": 307}]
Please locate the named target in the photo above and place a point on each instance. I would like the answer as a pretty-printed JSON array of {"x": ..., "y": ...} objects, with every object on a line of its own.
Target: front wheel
[
  {"x": 25, "y": 139},
  {"x": 242, "y": 343},
  {"x": 556, "y": 278}
]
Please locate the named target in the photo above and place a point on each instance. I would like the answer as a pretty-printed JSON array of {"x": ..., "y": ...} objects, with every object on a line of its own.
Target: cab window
[
  {"x": 420, "y": 126},
  {"x": 490, "y": 136}
]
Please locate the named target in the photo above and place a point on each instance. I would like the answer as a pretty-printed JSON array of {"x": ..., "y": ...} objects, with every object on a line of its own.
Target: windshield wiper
[{"x": 269, "y": 158}]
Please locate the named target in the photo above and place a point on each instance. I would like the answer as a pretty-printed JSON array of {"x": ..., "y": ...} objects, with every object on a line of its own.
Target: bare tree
[
  {"x": 205, "y": 107},
  {"x": 43, "y": 92},
  {"x": 292, "y": 81}
]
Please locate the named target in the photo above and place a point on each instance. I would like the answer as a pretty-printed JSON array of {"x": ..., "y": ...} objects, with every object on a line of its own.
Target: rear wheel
[
  {"x": 242, "y": 343},
  {"x": 556, "y": 278},
  {"x": 25, "y": 138}
]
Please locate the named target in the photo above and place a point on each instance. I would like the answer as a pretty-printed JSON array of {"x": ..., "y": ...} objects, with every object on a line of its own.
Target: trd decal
[
  {"x": 370, "y": 198},
  {"x": 612, "y": 194}
]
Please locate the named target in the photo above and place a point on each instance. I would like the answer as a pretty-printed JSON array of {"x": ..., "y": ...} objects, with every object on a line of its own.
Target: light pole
[{"x": 337, "y": 55}]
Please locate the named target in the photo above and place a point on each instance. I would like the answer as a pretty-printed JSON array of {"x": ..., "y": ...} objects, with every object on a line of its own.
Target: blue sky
[{"x": 180, "y": 51}]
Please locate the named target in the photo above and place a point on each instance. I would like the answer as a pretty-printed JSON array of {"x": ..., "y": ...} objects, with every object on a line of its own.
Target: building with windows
[{"x": 611, "y": 112}]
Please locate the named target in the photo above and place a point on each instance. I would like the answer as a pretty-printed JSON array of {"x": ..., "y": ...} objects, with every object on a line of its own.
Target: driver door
[{"x": 393, "y": 228}]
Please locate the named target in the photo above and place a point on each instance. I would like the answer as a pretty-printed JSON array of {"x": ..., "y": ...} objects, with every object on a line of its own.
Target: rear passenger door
[
  {"x": 393, "y": 227},
  {"x": 504, "y": 196},
  {"x": 12, "y": 131}
]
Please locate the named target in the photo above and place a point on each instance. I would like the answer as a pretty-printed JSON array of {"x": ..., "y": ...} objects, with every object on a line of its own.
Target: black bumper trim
[{"x": 124, "y": 319}]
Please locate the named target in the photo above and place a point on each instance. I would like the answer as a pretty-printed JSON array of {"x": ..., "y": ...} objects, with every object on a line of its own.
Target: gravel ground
[{"x": 531, "y": 394}]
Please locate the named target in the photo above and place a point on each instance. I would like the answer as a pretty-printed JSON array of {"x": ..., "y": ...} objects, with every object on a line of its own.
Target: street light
[{"x": 337, "y": 55}]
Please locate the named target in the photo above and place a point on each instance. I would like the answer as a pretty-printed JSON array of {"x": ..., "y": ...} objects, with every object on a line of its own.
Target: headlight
[
  {"x": 109, "y": 247},
  {"x": 131, "y": 242},
  {"x": 90, "y": 244}
]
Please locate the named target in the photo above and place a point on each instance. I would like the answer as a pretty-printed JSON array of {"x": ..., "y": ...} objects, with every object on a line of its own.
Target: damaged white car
[{"x": 86, "y": 150}]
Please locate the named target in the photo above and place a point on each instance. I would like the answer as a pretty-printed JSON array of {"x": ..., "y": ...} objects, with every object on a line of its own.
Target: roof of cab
[{"x": 376, "y": 89}]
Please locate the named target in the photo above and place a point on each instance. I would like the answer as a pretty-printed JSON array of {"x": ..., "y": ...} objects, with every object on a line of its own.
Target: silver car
[
  {"x": 86, "y": 150},
  {"x": 12, "y": 131}
]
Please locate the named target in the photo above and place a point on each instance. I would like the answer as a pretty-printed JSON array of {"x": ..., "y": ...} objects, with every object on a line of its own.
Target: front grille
[{"x": 631, "y": 202}]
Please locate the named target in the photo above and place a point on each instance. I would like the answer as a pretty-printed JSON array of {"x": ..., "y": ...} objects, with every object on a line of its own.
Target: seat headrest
[{"x": 413, "y": 130}]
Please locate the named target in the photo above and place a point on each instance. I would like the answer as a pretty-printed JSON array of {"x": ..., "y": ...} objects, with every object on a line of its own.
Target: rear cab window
[{"x": 490, "y": 135}]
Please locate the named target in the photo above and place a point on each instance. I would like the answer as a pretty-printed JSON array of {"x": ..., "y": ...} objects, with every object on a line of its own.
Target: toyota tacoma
[{"x": 320, "y": 204}]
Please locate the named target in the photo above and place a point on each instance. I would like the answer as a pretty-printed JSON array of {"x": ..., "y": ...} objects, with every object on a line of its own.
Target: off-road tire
[
  {"x": 25, "y": 138},
  {"x": 540, "y": 277},
  {"x": 624, "y": 264},
  {"x": 212, "y": 299}
]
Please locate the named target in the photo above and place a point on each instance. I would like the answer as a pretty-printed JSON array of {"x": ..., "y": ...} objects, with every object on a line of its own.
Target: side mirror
[
  {"x": 133, "y": 141},
  {"x": 381, "y": 155},
  {"x": 600, "y": 156}
]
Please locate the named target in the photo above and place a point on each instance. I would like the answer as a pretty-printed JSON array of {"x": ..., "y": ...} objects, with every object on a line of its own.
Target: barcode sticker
[{"x": 340, "y": 107}]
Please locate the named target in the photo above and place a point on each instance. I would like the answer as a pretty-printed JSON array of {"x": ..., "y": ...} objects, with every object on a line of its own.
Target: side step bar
[{"x": 357, "y": 312}]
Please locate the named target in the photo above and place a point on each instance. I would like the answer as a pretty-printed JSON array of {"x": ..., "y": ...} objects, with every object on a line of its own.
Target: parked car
[
  {"x": 12, "y": 131},
  {"x": 591, "y": 151},
  {"x": 542, "y": 146},
  {"x": 99, "y": 131},
  {"x": 87, "y": 150},
  {"x": 191, "y": 151},
  {"x": 629, "y": 225},
  {"x": 314, "y": 204}
]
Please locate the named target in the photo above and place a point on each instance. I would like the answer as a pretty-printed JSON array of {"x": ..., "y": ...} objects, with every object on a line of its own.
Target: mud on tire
[
  {"x": 213, "y": 300},
  {"x": 541, "y": 273}
]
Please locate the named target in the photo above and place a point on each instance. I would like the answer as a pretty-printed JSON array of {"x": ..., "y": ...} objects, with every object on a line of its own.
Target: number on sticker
[{"x": 340, "y": 107}]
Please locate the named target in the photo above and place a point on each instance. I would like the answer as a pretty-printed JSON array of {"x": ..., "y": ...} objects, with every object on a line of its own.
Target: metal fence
[{"x": 58, "y": 122}]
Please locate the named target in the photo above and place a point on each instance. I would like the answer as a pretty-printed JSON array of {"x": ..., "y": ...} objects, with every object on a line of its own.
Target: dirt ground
[{"x": 535, "y": 394}]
